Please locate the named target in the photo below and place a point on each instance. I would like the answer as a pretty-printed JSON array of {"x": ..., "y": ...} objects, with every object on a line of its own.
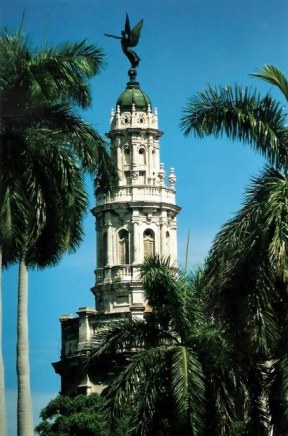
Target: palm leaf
[
  {"x": 273, "y": 75},
  {"x": 278, "y": 394},
  {"x": 188, "y": 390},
  {"x": 126, "y": 335},
  {"x": 241, "y": 115},
  {"x": 247, "y": 264},
  {"x": 137, "y": 384}
]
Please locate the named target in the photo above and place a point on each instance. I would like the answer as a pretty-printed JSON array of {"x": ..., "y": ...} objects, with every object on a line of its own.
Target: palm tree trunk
[
  {"x": 2, "y": 373},
  {"x": 24, "y": 406}
]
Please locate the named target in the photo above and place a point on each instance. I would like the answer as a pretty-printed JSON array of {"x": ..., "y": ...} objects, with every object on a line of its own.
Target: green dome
[{"x": 133, "y": 94}]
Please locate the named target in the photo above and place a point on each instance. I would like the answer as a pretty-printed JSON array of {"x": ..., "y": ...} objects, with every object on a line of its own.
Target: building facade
[{"x": 138, "y": 222}]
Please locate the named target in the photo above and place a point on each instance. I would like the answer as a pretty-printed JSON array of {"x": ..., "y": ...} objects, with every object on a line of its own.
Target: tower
[{"x": 139, "y": 221}]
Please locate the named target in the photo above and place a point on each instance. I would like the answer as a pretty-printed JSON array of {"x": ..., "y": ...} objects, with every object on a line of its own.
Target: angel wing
[
  {"x": 127, "y": 25},
  {"x": 134, "y": 33}
]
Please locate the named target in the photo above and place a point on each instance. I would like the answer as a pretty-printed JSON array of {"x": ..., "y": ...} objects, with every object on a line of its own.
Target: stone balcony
[
  {"x": 117, "y": 273},
  {"x": 157, "y": 194}
]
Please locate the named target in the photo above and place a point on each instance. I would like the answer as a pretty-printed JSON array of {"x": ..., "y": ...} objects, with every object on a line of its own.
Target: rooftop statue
[{"x": 130, "y": 38}]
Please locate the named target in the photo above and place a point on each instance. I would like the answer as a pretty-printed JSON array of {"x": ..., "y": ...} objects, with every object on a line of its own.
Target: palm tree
[
  {"x": 175, "y": 373},
  {"x": 44, "y": 149},
  {"x": 246, "y": 268},
  {"x": 41, "y": 245},
  {"x": 246, "y": 272}
]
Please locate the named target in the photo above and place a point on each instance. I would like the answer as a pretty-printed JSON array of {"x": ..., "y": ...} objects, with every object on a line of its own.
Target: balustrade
[
  {"x": 140, "y": 193},
  {"x": 117, "y": 273}
]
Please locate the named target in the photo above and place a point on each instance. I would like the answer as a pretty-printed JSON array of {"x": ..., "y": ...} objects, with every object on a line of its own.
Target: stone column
[
  {"x": 134, "y": 167},
  {"x": 174, "y": 241},
  {"x": 120, "y": 161},
  {"x": 163, "y": 229},
  {"x": 136, "y": 243},
  {"x": 99, "y": 247},
  {"x": 109, "y": 241},
  {"x": 163, "y": 238}
]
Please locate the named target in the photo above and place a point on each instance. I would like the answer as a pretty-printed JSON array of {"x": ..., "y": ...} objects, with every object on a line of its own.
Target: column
[
  {"x": 136, "y": 243},
  {"x": 119, "y": 160},
  {"x": 163, "y": 238},
  {"x": 163, "y": 229},
  {"x": 109, "y": 241},
  {"x": 174, "y": 241},
  {"x": 99, "y": 247}
]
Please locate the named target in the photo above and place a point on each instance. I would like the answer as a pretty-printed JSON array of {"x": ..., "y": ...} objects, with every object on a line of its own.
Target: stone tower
[{"x": 138, "y": 222}]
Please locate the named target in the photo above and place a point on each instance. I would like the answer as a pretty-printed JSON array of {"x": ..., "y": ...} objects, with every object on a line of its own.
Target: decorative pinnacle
[{"x": 172, "y": 177}]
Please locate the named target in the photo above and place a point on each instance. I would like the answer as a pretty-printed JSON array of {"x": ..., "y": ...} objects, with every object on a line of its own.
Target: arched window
[
  {"x": 149, "y": 243},
  {"x": 128, "y": 177},
  {"x": 142, "y": 177},
  {"x": 167, "y": 248},
  {"x": 142, "y": 157},
  {"x": 123, "y": 247},
  {"x": 127, "y": 156}
]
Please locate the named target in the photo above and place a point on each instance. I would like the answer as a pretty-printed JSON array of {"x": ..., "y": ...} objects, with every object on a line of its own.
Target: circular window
[
  {"x": 141, "y": 119},
  {"x": 125, "y": 119}
]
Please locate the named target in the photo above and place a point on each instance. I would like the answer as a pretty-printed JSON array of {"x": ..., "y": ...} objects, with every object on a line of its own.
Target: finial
[
  {"x": 172, "y": 177},
  {"x": 161, "y": 174},
  {"x": 112, "y": 113},
  {"x": 132, "y": 74}
]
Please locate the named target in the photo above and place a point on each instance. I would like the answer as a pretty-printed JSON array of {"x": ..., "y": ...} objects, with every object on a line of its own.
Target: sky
[{"x": 185, "y": 45}]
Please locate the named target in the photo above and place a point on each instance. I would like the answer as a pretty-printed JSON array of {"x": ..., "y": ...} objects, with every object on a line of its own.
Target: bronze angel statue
[{"x": 130, "y": 38}]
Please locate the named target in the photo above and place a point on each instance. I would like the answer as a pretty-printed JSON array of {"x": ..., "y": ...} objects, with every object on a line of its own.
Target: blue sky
[{"x": 185, "y": 45}]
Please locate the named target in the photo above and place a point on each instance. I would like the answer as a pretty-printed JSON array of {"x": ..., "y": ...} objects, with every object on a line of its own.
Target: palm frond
[
  {"x": 273, "y": 75},
  {"x": 262, "y": 222},
  {"x": 278, "y": 394},
  {"x": 167, "y": 291},
  {"x": 188, "y": 390},
  {"x": 137, "y": 384},
  {"x": 240, "y": 114},
  {"x": 50, "y": 74},
  {"x": 126, "y": 335}
]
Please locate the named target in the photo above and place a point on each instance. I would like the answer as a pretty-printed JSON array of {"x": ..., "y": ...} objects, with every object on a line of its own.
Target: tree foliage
[
  {"x": 72, "y": 416},
  {"x": 179, "y": 372},
  {"x": 77, "y": 416},
  {"x": 45, "y": 149},
  {"x": 246, "y": 269}
]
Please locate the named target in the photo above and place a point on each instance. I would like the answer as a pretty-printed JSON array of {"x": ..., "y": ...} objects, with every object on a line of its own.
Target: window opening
[
  {"x": 123, "y": 246},
  {"x": 149, "y": 243}
]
